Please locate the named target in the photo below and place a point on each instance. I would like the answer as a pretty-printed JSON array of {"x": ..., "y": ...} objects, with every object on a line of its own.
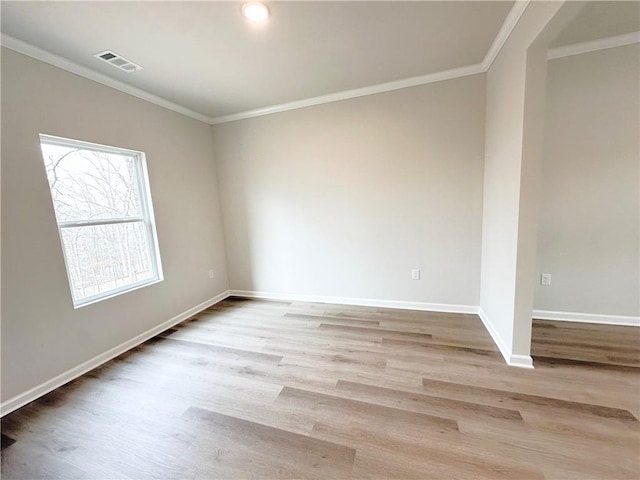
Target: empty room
[{"x": 320, "y": 239}]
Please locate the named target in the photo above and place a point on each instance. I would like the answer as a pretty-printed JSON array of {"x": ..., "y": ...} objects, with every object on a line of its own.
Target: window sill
[{"x": 115, "y": 293}]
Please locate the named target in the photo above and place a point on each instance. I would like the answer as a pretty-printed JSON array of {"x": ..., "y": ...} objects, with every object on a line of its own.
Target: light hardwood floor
[{"x": 258, "y": 389}]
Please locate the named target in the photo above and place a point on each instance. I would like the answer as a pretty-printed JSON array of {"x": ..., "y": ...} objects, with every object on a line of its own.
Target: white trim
[
  {"x": 97, "y": 223},
  {"x": 147, "y": 220},
  {"x": 357, "y": 92},
  {"x": 521, "y": 361},
  {"x": 505, "y": 31},
  {"x": 46, "y": 387},
  {"x": 362, "y": 302},
  {"x": 595, "y": 45},
  {"x": 629, "y": 321},
  {"x": 501, "y": 38},
  {"x": 497, "y": 339},
  {"x": 60, "y": 62},
  {"x": 101, "y": 147},
  {"x": 512, "y": 359},
  {"x": 509, "y": 24}
]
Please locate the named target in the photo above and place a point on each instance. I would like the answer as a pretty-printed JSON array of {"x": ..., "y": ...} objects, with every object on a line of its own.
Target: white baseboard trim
[
  {"x": 497, "y": 339},
  {"x": 46, "y": 387},
  {"x": 521, "y": 361},
  {"x": 362, "y": 302},
  {"x": 587, "y": 318},
  {"x": 512, "y": 359}
]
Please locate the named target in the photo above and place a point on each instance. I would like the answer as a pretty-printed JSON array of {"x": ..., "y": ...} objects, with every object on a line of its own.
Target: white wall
[
  {"x": 344, "y": 199},
  {"x": 514, "y": 123},
  {"x": 588, "y": 237},
  {"x": 336, "y": 200},
  {"x": 42, "y": 334}
]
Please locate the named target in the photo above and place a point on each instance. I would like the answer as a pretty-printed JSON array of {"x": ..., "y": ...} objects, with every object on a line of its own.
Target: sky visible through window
[{"x": 99, "y": 208}]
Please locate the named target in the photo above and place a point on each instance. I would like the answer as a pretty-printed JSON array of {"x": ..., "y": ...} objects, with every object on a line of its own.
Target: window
[{"x": 105, "y": 219}]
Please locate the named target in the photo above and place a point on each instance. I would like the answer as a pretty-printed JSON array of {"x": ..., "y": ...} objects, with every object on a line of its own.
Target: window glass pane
[
  {"x": 103, "y": 258},
  {"x": 91, "y": 185},
  {"x": 103, "y": 207}
]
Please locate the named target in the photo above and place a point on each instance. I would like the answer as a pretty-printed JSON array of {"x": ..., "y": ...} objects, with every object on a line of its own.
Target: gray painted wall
[
  {"x": 589, "y": 237},
  {"x": 515, "y": 88},
  {"x": 344, "y": 199},
  {"x": 42, "y": 334}
]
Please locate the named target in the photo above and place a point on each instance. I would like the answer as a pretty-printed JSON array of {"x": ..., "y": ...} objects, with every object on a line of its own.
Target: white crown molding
[
  {"x": 510, "y": 22},
  {"x": 357, "y": 92},
  {"x": 65, "y": 377},
  {"x": 361, "y": 302},
  {"x": 60, "y": 62},
  {"x": 628, "y": 321},
  {"x": 501, "y": 38},
  {"x": 505, "y": 31},
  {"x": 594, "y": 45}
]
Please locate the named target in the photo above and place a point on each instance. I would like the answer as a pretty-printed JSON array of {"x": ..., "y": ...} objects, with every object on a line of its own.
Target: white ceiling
[
  {"x": 601, "y": 19},
  {"x": 204, "y": 56},
  {"x": 203, "y": 59}
]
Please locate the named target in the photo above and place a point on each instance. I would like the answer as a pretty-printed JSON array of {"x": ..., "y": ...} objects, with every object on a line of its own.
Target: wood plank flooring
[{"x": 259, "y": 389}]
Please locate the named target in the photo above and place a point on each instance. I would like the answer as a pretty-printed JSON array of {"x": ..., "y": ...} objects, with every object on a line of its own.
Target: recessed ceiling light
[{"x": 255, "y": 11}]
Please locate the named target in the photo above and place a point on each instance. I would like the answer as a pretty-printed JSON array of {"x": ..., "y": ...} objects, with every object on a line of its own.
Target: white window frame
[{"x": 147, "y": 218}]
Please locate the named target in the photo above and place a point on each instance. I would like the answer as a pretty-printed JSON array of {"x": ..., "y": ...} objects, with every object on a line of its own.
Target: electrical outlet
[
  {"x": 211, "y": 275},
  {"x": 415, "y": 274},
  {"x": 545, "y": 279}
]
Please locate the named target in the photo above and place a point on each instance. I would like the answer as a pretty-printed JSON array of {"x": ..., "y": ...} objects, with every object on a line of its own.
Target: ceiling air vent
[{"x": 118, "y": 61}]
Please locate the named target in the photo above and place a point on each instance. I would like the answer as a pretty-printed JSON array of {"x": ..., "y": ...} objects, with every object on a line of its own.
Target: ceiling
[
  {"x": 205, "y": 60},
  {"x": 600, "y": 19},
  {"x": 205, "y": 57}
]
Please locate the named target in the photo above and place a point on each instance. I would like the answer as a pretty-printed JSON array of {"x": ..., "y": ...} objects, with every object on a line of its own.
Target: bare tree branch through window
[{"x": 103, "y": 217}]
